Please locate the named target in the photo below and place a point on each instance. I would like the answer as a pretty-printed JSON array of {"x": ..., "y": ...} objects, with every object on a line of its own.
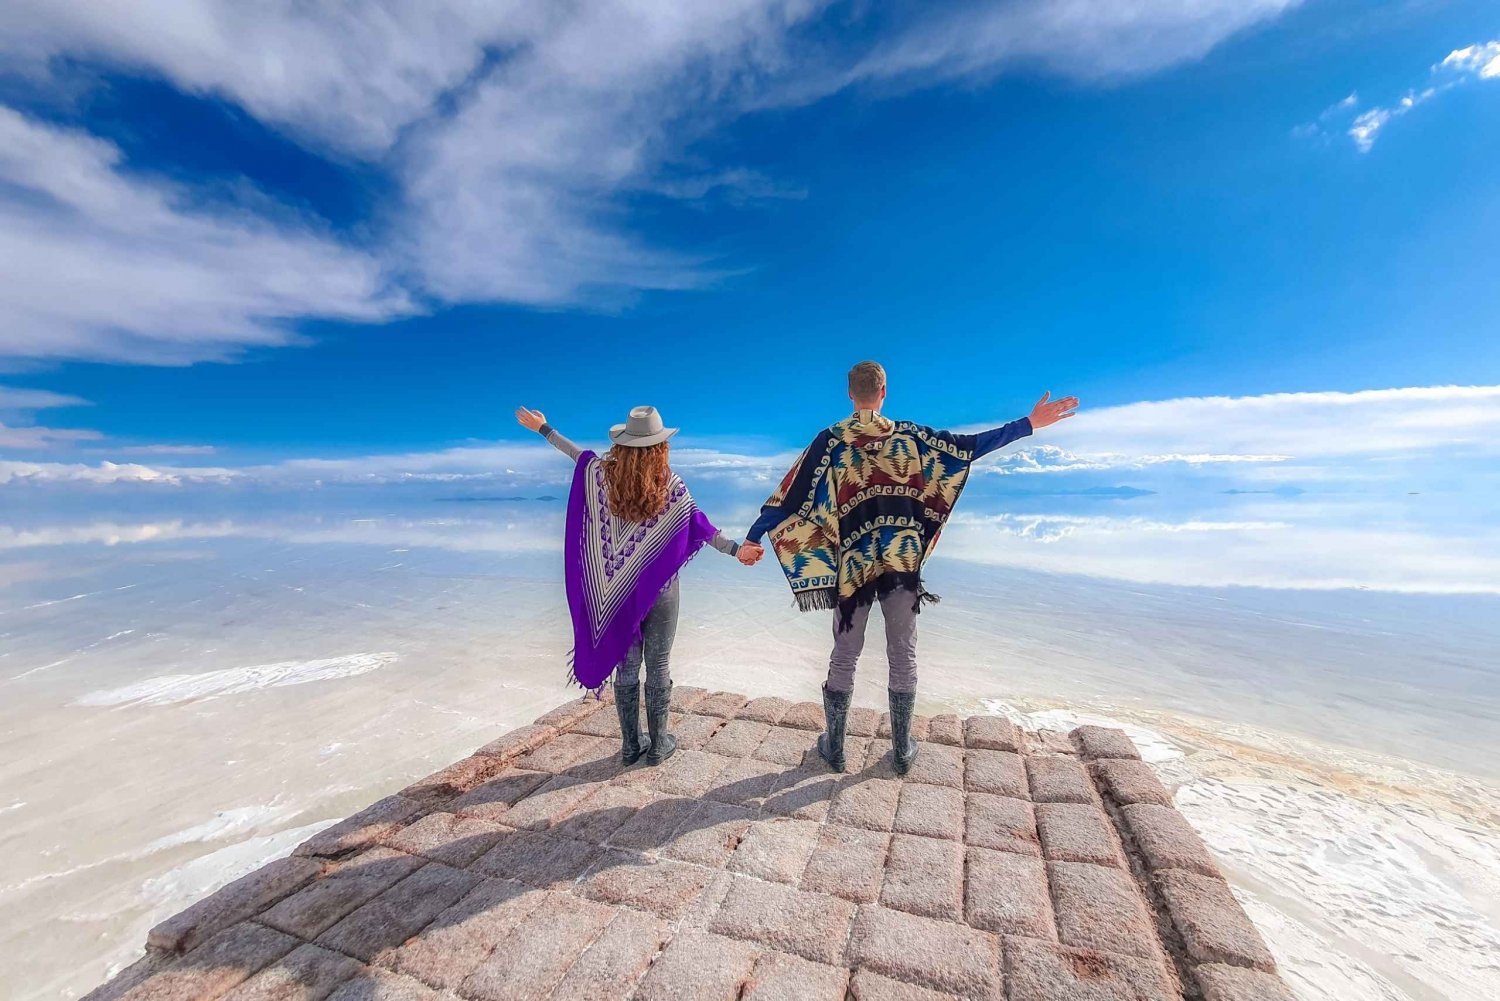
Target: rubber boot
[
  {"x": 662, "y": 742},
  {"x": 633, "y": 743},
  {"x": 903, "y": 748},
  {"x": 835, "y": 718}
]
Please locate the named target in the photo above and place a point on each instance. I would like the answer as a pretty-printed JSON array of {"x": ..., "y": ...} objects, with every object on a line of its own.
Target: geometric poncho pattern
[
  {"x": 864, "y": 506},
  {"x": 615, "y": 569}
]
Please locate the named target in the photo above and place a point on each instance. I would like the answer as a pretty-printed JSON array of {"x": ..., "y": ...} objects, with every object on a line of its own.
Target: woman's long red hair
[{"x": 636, "y": 480}]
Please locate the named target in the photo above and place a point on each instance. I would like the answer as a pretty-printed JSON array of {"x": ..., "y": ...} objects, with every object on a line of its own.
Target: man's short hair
[{"x": 866, "y": 380}]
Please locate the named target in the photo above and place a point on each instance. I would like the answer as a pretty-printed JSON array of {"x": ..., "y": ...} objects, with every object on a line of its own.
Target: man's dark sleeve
[
  {"x": 792, "y": 493},
  {"x": 770, "y": 517},
  {"x": 995, "y": 438}
]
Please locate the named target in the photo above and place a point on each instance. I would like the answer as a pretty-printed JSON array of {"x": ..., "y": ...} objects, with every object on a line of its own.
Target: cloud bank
[{"x": 516, "y": 136}]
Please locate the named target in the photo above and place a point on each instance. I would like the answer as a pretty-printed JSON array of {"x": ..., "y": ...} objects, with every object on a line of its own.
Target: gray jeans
[
  {"x": 655, "y": 646},
  {"x": 899, "y": 610}
]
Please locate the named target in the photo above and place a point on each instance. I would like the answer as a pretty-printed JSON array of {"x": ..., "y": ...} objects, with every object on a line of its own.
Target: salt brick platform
[{"x": 1006, "y": 865}]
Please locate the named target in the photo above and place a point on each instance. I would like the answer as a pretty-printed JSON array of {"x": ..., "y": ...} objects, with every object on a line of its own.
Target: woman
[{"x": 631, "y": 526}]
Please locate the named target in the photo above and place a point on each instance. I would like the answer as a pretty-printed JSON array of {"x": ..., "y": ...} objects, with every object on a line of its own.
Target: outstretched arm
[
  {"x": 1047, "y": 411},
  {"x": 535, "y": 420}
]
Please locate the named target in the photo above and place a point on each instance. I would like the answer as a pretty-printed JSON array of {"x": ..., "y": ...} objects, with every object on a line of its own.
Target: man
[{"x": 852, "y": 523}]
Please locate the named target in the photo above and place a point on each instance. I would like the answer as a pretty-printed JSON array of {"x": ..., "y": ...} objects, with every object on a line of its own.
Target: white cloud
[
  {"x": 1277, "y": 427},
  {"x": 1473, "y": 62},
  {"x": 515, "y": 132},
  {"x": 104, "y": 265},
  {"x": 12, "y": 472},
  {"x": 17, "y": 398}
]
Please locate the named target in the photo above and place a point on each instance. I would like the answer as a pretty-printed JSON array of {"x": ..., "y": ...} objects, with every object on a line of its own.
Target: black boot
[
  {"x": 662, "y": 742},
  {"x": 835, "y": 718},
  {"x": 903, "y": 748},
  {"x": 633, "y": 743}
]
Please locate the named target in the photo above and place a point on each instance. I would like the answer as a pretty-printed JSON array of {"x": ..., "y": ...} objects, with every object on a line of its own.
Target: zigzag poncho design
[{"x": 864, "y": 506}]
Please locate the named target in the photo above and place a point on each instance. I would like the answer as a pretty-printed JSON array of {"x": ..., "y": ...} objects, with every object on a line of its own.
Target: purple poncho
[{"x": 616, "y": 569}]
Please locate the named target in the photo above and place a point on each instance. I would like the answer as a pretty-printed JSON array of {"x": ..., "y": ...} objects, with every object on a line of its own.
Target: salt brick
[
  {"x": 710, "y": 835},
  {"x": 557, "y": 932},
  {"x": 991, "y": 733},
  {"x": 551, "y": 802},
  {"x": 688, "y": 773},
  {"x": 242, "y": 898},
  {"x": 785, "y": 746},
  {"x": 997, "y": 772},
  {"x": 631, "y": 880},
  {"x": 699, "y": 966},
  {"x": 1001, "y": 823},
  {"x": 537, "y": 859},
  {"x": 1096, "y": 742},
  {"x": 517, "y": 742},
  {"x": 779, "y": 977},
  {"x": 738, "y": 738},
  {"x": 465, "y": 934},
  {"x": 383, "y": 985},
  {"x": 938, "y": 764},
  {"x": 804, "y": 716},
  {"x": 362, "y": 830},
  {"x": 400, "y": 912},
  {"x": 571, "y": 712},
  {"x": 684, "y": 697},
  {"x": 866, "y": 802},
  {"x": 1058, "y": 780},
  {"x": 1040, "y": 971},
  {"x": 940, "y": 955},
  {"x": 805, "y": 795},
  {"x": 1130, "y": 782},
  {"x": 931, "y": 811},
  {"x": 619, "y": 957},
  {"x": 454, "y": 780},
  {"x": 605, "y": 723},
  {"x": 320, "y": 904},
  {"x": 563, "y": 751},
  {"x": 220, "y": 963},
  {"x": 862, "y": 722},
  {"x": 1098, "y": 907},
  {"x": 446, "y": 838},
  {"x": 723, "y": 704},
  {"x": 1167, "y": 841},
  {"x": 492, "y": 799},
  {"x": 694, "y": 732},
  {"x": 652, "y": 825},
  {"x": 1211, "y": 922},
  {"x": 1077, "y": 832},
  {"x": 924, "y": 876},
  {"x": 919, "y": 725},
  {"x": 1007, "y": 893},
  {"x": 945, "y": 729},
  {"x": 308, "y": 973},
  {"x": 1231, "y": 983},
  {"x": 866, "y": 985},
  {"x": 847, "y": 862},
  {"x": 809, "y": 925},
  {"x": 775, "y": 849},
  {"x": 768, "y": 709},
  {"x": 596, "y": 818},
  {"x": 745, "y": 782}
]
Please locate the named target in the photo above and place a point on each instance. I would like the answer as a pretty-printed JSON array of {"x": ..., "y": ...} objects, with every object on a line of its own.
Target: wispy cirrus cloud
[
  {"x": 515, "y": 135},
  {"x": 1461, "y": 66}
]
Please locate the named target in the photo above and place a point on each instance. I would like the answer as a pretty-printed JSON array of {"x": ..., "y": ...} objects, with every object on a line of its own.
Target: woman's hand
[{"x": 532, "y": 420}]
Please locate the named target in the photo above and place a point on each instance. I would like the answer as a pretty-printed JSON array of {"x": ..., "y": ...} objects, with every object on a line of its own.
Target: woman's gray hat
[{"x": 642, "y": 429}]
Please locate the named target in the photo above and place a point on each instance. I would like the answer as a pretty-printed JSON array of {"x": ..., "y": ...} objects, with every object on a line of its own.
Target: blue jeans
[{"x": 655, "y": 646}]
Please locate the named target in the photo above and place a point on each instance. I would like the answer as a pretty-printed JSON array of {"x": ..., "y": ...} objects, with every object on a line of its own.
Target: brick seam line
[{"x": 1182, "y": 967}]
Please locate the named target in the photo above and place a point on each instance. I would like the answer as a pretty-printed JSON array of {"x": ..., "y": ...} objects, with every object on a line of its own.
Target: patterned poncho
[
  {"x": 864, "y": 506},
  {"x": 615, "y": 569}
]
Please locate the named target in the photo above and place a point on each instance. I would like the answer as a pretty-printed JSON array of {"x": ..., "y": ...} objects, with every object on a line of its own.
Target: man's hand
[
  {"x": 750, "y": 553},
  {"x": 532, "y": 420},
  {"x": 1045, "y": 412}
]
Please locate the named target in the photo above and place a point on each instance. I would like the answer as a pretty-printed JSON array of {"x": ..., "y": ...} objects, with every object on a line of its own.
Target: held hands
[
  {"x": 750, "y": 553},
  {"x": 532, "y": 420},
  {"x": 1045, "y": 412}
]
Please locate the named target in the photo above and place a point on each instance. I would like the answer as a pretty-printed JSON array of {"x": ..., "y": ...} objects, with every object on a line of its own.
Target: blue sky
[{"x": 239, "y": 240}]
